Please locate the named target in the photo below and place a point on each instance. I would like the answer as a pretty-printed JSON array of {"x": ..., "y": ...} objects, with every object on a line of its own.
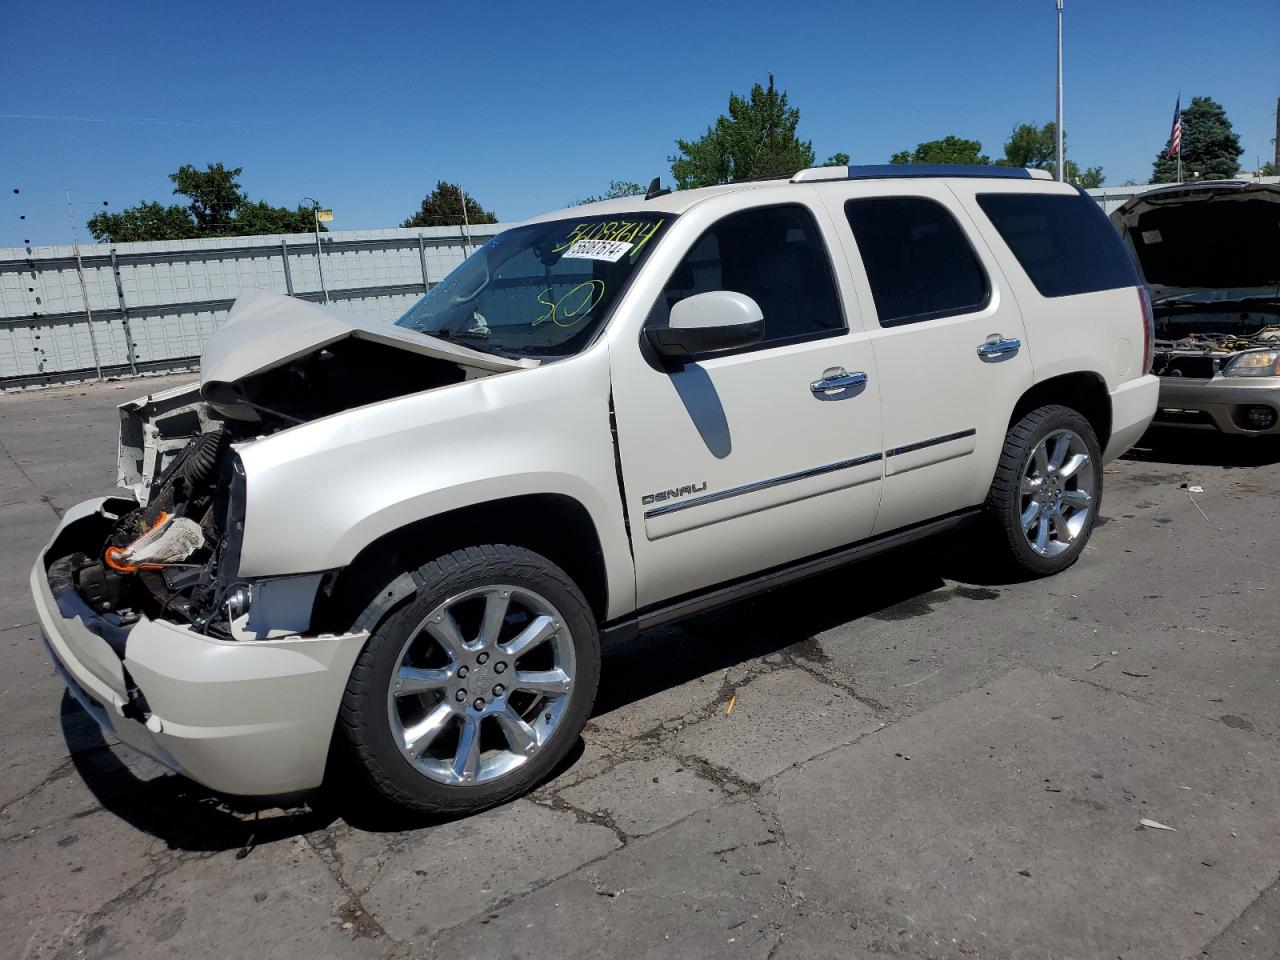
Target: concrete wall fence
[{"x": 151, "y": 306}]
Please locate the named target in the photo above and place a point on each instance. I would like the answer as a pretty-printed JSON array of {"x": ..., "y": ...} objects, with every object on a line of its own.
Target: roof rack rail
[{"x": 882, "y": 171}]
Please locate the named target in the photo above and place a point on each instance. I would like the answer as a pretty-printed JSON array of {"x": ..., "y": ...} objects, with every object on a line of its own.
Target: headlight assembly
[{"x": 1254, "y": 363}]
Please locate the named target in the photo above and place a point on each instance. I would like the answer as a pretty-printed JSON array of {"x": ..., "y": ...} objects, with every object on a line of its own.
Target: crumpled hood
[
  {"x": 1211, "y": 235},
  {"x": 266, "y": 330}
]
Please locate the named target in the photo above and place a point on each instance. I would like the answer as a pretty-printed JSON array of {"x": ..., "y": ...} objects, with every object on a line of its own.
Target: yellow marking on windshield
[
  {"x": 648, "y": 235},
  {"x": 635, "y": 232},
  {"x": 570, "y": 307}
]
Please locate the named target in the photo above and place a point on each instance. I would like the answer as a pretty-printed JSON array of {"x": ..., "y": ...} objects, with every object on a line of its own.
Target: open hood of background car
[
  {"x": 1212, "y": 235},
  {"x": 266, "y": 330}
]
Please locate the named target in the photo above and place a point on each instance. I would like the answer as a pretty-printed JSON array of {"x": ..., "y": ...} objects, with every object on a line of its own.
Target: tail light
[{"x": 1148, "y": 329}]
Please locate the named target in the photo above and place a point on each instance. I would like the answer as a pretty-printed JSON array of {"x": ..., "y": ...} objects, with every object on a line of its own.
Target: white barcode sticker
[{"x": 611, "y": 250}]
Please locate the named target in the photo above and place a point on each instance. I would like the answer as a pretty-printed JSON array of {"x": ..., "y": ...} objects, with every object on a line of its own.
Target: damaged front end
[
  {"x": 275, "y": 363},
  {"x": 140, "y": 597},
  {"x": 172, "y": 552}
]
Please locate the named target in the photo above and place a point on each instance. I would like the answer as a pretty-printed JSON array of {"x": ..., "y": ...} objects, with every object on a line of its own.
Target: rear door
[
  {"x": 948, "y": 337},
  {"x": 737, "y": 462}
]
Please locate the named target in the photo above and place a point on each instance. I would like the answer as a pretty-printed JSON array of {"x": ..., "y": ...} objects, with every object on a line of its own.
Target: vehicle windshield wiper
[{"x": 474, "y": 338}]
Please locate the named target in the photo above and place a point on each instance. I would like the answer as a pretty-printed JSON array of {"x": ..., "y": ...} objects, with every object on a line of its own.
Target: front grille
[{"x": 1196, "y": 368}]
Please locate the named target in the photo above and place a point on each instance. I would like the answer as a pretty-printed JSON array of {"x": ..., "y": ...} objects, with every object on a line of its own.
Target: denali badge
[{"x": 674, "y": 494}]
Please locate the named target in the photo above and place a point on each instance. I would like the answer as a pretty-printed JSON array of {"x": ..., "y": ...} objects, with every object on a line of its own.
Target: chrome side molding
[
  {"x": 761, "y": 485},
  {"x": 931, "y": 442}
]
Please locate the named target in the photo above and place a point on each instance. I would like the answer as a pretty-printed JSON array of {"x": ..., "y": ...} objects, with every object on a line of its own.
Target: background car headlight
[{"x": 1254, "y": 363}]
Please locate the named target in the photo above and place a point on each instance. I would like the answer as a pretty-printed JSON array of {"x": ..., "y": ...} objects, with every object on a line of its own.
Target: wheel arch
[
  {"x": 1082, "y": 391},
  {"x": 555, "y": 526}
]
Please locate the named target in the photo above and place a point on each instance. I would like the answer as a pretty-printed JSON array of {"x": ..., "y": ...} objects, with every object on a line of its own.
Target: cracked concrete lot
[{"x": 905, "y": 758}]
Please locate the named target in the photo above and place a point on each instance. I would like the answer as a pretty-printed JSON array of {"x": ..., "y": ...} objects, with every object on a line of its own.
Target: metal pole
[
  {"x": 284, "y": 255},
  {"x": 315, "y": 213},
  {"x": 315, "y": 219},
  {"x": 1276, "y": 141},
  {"x": 84, "y": 289},
  {"x": 124, "y": 314},
  {"x": 1059, "y": 151},
  {"x": 422, "y": 259},
  {"x": 466, "y": 225}
]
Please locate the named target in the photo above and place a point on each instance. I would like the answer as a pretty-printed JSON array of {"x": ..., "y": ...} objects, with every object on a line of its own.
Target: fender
[{"x": 319, "y": 493}]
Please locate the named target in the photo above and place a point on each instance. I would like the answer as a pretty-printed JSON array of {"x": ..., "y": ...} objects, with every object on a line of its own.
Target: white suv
[{"x": 409, "y": 540}]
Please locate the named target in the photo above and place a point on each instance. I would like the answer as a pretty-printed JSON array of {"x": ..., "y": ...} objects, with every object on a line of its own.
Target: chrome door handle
[
  {"x": 836, "y": 383},
  {"x": 995, "y": 347}
]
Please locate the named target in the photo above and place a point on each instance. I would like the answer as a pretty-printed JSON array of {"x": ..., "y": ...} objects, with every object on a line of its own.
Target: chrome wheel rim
[
  {"x": 481, "y": 684},
  {"x": 1057, "y": 492}
]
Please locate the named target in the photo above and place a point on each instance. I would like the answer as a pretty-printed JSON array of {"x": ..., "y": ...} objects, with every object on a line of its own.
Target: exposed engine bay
[
  {"x": 173, "y": 552},
  {"x": 1196, "y": 340},
  {"x": 164, "y": 558}
]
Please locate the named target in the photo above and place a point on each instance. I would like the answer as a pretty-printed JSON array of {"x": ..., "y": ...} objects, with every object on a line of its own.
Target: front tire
[
  {"x": 1047, "y": 489},
  {"x": 475, "y": 689}
]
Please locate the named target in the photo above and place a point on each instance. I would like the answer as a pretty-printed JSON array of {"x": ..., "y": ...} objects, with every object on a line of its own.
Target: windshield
[{"x": 543, "y": 289}]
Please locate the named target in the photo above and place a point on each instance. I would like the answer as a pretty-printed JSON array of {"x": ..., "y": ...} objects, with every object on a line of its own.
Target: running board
[{"x": 718, "y": 596}]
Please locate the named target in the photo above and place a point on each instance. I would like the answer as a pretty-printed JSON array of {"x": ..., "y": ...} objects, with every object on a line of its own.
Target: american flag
[{"x": 1175, "y": 135}]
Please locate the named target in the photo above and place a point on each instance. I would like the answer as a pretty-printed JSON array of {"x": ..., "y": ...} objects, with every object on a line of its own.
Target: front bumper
[
  {"x": 249, "y": 717},
  {"x": 1217, "y": 404}
]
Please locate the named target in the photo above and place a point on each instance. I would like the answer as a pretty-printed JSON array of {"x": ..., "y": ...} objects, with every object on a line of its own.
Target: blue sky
[{"x": 534, "y": 105}]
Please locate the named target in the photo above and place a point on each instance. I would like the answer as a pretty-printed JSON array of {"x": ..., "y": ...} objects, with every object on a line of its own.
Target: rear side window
[
  {"x": 918, "y": 260},
  {"x": 775, "y": 256},
  {"x": 1066, "y": 244}
]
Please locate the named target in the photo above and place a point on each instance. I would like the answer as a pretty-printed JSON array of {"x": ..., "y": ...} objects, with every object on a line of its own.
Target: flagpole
[{"x": 1058, "y": 131}]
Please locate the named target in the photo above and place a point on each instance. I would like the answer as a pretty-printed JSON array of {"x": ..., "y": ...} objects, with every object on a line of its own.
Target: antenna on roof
[{"x": 655, "y": 189}]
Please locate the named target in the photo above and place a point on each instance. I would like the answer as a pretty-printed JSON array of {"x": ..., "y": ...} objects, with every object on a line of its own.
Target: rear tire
[
  {"x": 476, "y": 688},
  {"x": 1047, "y": 489}
]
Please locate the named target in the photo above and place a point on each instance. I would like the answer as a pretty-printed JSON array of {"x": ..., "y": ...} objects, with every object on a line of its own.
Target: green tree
[
  {"x": 1085, "y": 179},
  {"x": 146, "y": 221},
  {"x": 836, "y": 160},
  {"x": 442, "y": 207},
  {"x": 950, "y": 149},
  {"x": 216, "y": 207},
  {"x": 1268, "y": 169},
  {"x": 756, "y": 139},
  {"x": 1210, "y": 148},
  {"x": 259, "y": 217},
  {"x": 1036, "y": 147},
  {"x": 617, "y": 190},
  {"x": 1031, "y": 146},
  {"x": 214, "y": 195}
]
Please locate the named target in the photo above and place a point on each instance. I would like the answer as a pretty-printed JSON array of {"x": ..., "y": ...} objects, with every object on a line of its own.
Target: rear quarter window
[{"x": 1065, "y": 244}]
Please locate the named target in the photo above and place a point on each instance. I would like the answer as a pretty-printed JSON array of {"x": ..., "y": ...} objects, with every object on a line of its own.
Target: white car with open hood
[{"x": 408, "y": 540}]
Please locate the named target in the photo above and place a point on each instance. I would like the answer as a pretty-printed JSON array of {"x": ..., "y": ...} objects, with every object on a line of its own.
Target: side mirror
[{"x": 706, "y": 323}]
